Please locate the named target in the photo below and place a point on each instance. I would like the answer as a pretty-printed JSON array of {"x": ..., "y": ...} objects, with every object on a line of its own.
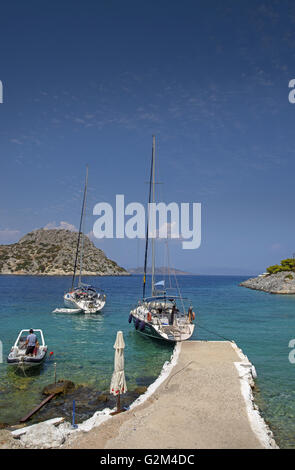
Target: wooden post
[{"x": 25, "y": 418}]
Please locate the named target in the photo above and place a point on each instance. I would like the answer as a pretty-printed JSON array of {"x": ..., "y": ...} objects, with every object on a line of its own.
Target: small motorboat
[
  {"x": 18, "y": 356},
  {"x": 67, "y": 310}
]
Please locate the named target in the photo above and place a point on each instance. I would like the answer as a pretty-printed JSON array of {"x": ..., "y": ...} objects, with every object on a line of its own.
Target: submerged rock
[
  {"x": 87, "y": 401},
  {"x": 279, "y": 283},
  {"x": 62, "y": 386},
  {"x": 140, "y": 390},
  {"x": 103, "y": 398}
]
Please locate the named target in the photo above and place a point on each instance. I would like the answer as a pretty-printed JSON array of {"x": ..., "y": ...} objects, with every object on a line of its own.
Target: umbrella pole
[
  {"x": 119, "y": 409},
  {"x": 118, "y": 403}
]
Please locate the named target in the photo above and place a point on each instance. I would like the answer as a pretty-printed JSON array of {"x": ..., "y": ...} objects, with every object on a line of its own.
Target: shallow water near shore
[{"x": 261, "y": 324}]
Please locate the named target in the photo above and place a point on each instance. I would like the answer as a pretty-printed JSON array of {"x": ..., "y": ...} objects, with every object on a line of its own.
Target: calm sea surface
[{"x": 261, "y": 324}]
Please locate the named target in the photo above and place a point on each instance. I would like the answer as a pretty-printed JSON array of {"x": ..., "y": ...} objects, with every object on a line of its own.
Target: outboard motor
[{"x": 130, "y": 318}]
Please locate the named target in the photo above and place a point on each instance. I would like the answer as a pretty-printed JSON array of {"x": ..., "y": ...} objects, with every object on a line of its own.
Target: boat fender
[
  {"x": 149, "y": 316},
  {"x": 193, "y": 315},
  {"x": 142, "y": 325},
  {"x": 130, "y": 318},
  {"x": 137, "y": 323}
]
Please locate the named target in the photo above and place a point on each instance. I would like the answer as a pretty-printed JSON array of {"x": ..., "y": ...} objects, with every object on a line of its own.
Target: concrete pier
[{"x": 204, "y": 403}]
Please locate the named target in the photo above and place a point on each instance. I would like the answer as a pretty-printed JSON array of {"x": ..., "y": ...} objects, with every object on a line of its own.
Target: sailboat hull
[
  {"x": 86, "y": 306},
  {"x": 148, "y": 331},
  {"x": 69, "y": 302},
  {"x": 153, "y": 331}
]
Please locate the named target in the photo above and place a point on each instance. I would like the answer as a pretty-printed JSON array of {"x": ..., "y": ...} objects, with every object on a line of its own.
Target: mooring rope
[
  {"x": 175, "y": 373},
  {"x": 214, "y": 333},
  {"x": 22, "y": 367}
]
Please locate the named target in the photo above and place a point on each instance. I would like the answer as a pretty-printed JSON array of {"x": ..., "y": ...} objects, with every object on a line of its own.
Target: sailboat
[
  {"x": 160, "y": 315},
  {"x": 83, "y": 298}
]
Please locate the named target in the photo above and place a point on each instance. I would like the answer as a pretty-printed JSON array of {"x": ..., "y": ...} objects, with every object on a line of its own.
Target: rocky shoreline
[
  {"x": 89, "y": 402},
  {"x": 279, "y": 283},
  {"x": 55, "y": 432}
]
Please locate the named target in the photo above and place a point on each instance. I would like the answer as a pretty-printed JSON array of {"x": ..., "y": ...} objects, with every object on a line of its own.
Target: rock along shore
[{"x": 279, "y": 283}]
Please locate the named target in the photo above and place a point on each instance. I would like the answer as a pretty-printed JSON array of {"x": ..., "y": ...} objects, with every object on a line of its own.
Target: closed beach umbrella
[{"x": 118, "y": 382}]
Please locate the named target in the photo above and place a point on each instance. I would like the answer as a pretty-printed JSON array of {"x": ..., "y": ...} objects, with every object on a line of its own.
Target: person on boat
[
  {"x": 35, "y": 352},
  {"x": 172, "y": 314},
  {"x": 31, "y": 343},
  {"x": 191, "y": 315}
]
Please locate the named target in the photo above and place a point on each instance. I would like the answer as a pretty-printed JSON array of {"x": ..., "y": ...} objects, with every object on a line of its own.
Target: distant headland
[
  {"x": 52, "y": 253},
  {"x": 278, "y": 279}
]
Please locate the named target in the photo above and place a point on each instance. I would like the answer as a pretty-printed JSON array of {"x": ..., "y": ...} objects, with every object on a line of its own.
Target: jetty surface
[{"x": 204, "y": 402}]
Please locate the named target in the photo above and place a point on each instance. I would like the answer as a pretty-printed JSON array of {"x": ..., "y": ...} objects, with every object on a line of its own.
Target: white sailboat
[
  {"x": 82, "y": 298},
  {"x": 161, "y": 316}
]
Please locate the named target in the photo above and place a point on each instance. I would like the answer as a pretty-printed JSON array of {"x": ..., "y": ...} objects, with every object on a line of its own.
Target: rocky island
[
  {"x": 52, "y": 252},
  {"x": 279, "y": 279}
]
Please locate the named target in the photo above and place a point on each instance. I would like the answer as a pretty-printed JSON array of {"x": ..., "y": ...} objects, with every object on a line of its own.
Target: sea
[{"x": 80, "y": 347}]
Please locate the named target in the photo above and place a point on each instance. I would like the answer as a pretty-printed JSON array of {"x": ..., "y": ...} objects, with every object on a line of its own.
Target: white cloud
[
  {"x": 172, "y": 232},
  {"x": 91, "y": 236},
  {"x": 62, "y": 225}
]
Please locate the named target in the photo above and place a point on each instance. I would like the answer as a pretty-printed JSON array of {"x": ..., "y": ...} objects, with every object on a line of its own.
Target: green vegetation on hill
[
  {"x": 286, "y": 265},
  {"x": 53, "y": 252}
]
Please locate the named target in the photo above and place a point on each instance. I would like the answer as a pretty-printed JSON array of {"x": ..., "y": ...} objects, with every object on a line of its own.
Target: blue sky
[{"x": 90, "y": 82}]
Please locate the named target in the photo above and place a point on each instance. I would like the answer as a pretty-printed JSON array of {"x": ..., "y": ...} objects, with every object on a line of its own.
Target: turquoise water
[{"x": 261, "y": 324}]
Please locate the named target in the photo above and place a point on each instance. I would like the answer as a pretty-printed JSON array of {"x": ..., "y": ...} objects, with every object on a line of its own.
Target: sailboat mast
[
  {"x": 80, "y": 228},
  {"x": 83, "y": 229},
  {"x": 153, "y": 239},
  {"x": 147, "y": 230}
]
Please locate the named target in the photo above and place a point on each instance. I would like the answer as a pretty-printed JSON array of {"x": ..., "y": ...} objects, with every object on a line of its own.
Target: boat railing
[{"x": 27, "y": 330}]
